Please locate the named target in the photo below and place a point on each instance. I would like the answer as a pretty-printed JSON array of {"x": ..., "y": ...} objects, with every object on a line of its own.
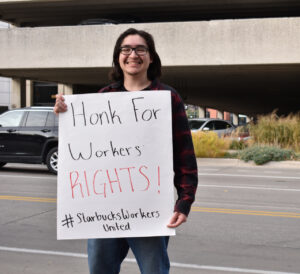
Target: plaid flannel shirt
[{"x": 184, "y": 160}]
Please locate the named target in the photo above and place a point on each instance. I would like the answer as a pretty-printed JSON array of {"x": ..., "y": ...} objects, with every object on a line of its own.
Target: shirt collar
[{"x": 119, "y": 85}]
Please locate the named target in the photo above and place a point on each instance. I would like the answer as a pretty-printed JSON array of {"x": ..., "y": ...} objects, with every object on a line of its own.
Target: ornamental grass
[
  {"x": 209, "y": 145},
  {"x": 271, "y": 130}
]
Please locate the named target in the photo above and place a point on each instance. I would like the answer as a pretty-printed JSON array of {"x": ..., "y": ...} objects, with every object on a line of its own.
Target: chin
[{"x": 134, "y": 72}]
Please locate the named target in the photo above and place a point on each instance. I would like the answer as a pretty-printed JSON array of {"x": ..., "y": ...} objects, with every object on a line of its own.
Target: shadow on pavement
[{"x": 26, "y": 168}]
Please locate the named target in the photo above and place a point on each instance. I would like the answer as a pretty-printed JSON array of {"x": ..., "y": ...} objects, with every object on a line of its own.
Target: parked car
[
  {"x": 29, "y": 135},
  {"x": 221, "y": 127},
  {"x": 242, "y": 132}
]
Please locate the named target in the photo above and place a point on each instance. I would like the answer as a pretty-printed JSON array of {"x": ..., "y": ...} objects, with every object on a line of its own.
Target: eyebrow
[{"x": 134, "y": 46}]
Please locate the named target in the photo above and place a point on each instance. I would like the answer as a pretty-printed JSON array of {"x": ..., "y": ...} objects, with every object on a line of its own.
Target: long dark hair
[{"x": 154, "y": 70}]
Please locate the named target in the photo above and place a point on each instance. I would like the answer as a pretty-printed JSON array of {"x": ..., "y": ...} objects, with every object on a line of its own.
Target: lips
[{"x": 133, "y": 62}]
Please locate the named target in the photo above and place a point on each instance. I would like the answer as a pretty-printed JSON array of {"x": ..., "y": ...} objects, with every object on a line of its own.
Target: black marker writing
[
  {"x": 105, "y": 117},
  {"x": 144, "y": 115}
]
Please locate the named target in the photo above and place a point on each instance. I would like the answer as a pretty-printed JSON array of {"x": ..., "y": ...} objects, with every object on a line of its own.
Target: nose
[{"x": 133, "y": 51}]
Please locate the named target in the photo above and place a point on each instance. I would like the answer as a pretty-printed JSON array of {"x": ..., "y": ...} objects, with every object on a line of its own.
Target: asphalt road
[{"x": 244, "y": 220}]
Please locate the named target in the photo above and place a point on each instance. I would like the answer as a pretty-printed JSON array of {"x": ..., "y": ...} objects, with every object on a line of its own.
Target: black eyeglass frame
[{"x": 135, "y": 50}]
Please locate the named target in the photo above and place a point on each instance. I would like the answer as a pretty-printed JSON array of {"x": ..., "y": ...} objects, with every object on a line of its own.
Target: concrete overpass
[
  {"x": 36, "y": 13},
  {"x": 244, "y": 65}
]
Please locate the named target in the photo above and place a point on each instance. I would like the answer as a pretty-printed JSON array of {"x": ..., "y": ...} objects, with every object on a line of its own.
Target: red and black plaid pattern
[{"x": 184, "y": 160}]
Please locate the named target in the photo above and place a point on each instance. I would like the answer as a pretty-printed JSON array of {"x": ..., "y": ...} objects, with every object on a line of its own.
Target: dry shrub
[
  {"x": 277, "y": 131},
  {"x": 209, "y": 145}
]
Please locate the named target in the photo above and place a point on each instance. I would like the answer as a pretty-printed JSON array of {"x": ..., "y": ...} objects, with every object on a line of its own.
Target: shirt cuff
[{"x": 182, "y": 207}]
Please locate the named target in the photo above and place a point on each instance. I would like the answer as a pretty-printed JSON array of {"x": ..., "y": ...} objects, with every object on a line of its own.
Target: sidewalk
[{"x": 240, "y": 163}]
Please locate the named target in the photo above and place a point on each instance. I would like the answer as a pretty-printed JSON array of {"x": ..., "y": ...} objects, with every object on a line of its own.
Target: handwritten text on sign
[{"x": 115, "y": 176}]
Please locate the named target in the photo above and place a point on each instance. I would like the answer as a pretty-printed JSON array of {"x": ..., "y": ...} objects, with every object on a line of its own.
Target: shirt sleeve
[{"x": 184, "y": 160}]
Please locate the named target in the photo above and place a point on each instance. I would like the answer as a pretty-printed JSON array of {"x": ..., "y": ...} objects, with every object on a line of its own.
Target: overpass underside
[{"x": 246, "y": 89}]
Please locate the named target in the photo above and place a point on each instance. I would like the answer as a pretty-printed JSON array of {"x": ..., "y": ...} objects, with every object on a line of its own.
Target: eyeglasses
[{"x": 139, "y": 50}]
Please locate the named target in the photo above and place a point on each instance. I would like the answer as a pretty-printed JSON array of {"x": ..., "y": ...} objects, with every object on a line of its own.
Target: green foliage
[
  {"x": 238, "y": 145},
  {"x": 231, "y": 155},
  {"x": 297, "y": 156},
  {"x": 263, "y": 154},
  {"x": 209, "y": 145},
  {"x": 273, "y": 138}
]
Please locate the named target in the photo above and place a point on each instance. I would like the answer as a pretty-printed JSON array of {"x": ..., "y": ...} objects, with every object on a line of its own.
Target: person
[{"x": 136, "y": 67}]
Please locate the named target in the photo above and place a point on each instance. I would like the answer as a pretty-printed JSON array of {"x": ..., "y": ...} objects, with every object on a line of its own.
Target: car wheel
[
  {"x": 52, "y": 160},
  {"x": 2, "y": 164}
]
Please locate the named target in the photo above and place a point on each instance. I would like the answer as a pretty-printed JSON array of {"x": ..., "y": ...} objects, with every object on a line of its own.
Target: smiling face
[{"x": 133, "y": 64}]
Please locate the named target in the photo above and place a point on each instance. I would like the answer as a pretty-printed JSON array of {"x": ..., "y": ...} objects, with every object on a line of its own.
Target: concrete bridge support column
[
  {"x": 201, "y": 112},
  {"x": 64, "y": 89},
  {"x": 220, "y": 114},
  {"x": 18, "y": 93},
  {"x": 29, "y": 93},
  {"x": 235, "y": 119}
]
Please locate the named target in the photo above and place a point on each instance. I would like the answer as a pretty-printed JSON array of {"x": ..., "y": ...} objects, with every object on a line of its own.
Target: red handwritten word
[{"x": 110, "y": 181}]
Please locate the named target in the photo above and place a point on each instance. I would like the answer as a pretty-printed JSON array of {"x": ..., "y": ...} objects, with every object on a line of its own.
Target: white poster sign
[{"x": 115, "y": 173}]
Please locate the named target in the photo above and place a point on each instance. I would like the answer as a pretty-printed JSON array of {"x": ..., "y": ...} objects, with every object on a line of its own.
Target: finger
[
  {"x": 181, "y": 219},
  {"x": 59, "y": 97},
  {"x": 177, "y": 219},
  {"x": 173, "y": 219},
  {"x": 59, "y": 100},
  {"x": 59, "y": 106}
]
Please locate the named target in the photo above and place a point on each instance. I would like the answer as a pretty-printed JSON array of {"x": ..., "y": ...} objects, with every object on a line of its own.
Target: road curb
[{"x": 239, "y": 163}]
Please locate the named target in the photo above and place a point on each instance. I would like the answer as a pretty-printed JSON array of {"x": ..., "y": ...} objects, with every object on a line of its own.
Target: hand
[
  {"x": 60, "y": 105},
  {"x": 177, "y": 219}
]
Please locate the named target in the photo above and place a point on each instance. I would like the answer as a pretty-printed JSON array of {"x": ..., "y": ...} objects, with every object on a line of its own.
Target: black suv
[{"x": 29, "y": 135}]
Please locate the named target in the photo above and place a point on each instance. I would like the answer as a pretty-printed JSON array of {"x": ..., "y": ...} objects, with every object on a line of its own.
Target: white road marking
[
  {"x": 43, "y": 252},
  {"x": 249, "y": 176},
  {"x": 250, "y": 187},
  {"x": 173, "y": 264}
]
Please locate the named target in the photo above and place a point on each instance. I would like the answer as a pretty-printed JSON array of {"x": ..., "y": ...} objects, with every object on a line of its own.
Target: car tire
[
  {"x": 52, "y": 160},
  {"x": 2, "y": 164}
]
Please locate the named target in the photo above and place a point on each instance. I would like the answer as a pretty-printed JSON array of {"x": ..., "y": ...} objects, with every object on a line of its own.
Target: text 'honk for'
[{"x": 110, "y": 116}]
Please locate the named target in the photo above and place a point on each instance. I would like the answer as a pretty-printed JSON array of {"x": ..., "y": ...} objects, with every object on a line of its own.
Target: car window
[
  {"x": 11, "y": 119},
  {"x": 50, "y": 119},
  {"x": 210, "y": 125},
  {"x": 219, "y": 125},
  {"x": 36, "y": 118},
  {"x": 195, "y": 124},
  {"x": 55, "y": 120}
]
